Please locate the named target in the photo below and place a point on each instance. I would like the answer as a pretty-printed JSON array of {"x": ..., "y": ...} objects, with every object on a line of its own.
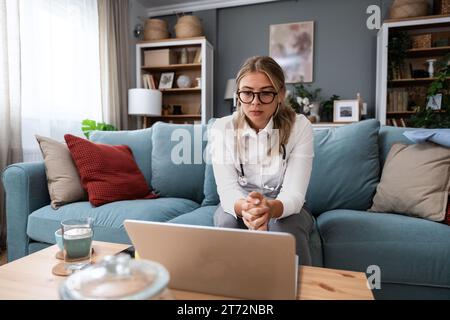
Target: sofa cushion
[
  {"x": 408, "y": 250},
  {"x": 63, "y": 180},
  {"x": 210, "y": 186},
  {"x": 139, "y": 141},
  {"x": 346, "y": 167},
  {"x": 178, "y": 167},
  {"x": 108, "y": 173},
  {"x": 202, "y": 216},
  {"x": 415, "y": 181},
  {"x": 108, "y": 219}
]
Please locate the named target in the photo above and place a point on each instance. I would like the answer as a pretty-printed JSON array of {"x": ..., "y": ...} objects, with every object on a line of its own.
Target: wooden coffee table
[{"x": 31, "y": 278}]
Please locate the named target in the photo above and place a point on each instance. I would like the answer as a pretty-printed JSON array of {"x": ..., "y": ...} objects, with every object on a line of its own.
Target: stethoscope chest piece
[{"x": 242, "y": 180}]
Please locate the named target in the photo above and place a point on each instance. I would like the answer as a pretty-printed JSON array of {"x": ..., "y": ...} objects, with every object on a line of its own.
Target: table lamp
[
  {"x": 230, "y": 93},
  {"x": 144, "y": 102}
]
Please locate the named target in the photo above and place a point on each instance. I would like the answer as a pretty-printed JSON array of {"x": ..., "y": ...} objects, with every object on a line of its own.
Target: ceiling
[{"x": 165, "y": 7}]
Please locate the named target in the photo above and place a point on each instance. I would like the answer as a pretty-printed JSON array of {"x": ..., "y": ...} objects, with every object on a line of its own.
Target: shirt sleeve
[
  {"x": 298, "y": 170},
  {"x": 225, "y": 173}
]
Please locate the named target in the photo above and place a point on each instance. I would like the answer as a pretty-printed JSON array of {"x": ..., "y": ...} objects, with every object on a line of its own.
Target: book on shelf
[
  {"x": 149, "y": 81},
  {"x": 394, "y": 122},
  {"x": 198, "y": 55},
  {"x": 403, "y": 123}
]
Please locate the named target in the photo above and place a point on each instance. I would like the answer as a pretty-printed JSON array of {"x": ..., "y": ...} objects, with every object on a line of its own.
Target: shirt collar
[{"x": 248, "y": 131}]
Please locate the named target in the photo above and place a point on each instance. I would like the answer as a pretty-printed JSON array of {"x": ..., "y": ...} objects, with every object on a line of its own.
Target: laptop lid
[{"x": 227, "y": 262}]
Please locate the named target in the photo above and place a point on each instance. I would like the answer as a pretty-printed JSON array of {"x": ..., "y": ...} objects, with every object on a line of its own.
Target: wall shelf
[{"x": 173, "y": 67}]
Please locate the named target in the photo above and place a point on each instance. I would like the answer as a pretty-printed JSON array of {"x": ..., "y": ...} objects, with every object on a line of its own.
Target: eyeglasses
[{"x": 265, "y": 97}]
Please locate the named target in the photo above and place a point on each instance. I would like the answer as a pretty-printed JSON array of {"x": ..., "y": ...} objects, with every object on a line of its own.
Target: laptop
[{"x": 219, "y": 261}]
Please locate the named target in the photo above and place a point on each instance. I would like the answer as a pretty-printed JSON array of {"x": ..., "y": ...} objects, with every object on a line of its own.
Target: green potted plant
[
  {"x": 328, "y": 107},
  {"x": 426, "y": 117},
  {"x": 304, "y": 100},
  {"x": 88, "y": 125}
]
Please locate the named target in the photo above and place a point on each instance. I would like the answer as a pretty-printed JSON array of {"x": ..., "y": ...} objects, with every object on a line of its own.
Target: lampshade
[
  {"x": 144, "y": 102},
  {"x": 230, "y": 89}
]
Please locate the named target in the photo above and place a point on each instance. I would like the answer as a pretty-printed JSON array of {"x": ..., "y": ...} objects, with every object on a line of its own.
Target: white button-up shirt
[{"x": 285, "y": 180}]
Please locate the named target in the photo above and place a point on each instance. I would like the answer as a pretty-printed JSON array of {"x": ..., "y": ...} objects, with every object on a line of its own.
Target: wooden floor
[{"x": 2, "y": 258}]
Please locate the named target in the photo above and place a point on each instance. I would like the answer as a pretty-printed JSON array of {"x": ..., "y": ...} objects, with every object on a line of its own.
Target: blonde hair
[{"x": 284, "y": 116}]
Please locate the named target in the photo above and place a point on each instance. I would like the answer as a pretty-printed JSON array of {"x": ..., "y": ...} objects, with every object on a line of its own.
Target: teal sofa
[{"x": 413, "y": 254}]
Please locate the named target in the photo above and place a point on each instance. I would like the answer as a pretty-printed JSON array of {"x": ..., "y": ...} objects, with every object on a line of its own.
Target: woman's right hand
[{"x": 255, "y": 212}]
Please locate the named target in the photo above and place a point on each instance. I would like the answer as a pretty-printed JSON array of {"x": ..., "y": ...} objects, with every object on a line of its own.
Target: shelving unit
[
  {"x": 395, "y": 97},
  {"x": 196, "y": 101}
]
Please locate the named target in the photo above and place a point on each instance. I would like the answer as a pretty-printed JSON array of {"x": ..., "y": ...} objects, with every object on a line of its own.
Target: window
[{"x": 60, "y": 69}]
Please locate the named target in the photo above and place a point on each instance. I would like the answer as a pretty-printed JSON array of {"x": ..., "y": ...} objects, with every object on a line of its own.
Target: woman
[{"x": 262, "y": 158}]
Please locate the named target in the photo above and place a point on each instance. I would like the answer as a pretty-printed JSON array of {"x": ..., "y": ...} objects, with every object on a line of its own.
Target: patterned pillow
[{"x": 108, "y": 173}]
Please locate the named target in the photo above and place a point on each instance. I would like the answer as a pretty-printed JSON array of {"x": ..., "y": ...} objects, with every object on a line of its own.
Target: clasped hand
[{"x": 256, "y": 211}]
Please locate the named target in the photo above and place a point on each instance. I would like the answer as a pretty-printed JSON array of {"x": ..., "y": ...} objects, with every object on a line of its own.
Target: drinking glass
[{"x": 77, "y": 237}]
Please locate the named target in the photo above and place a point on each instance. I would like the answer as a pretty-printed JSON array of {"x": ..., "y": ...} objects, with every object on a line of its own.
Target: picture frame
[
  {"x": 166, "y": 80},
  {"x": 346, "y": 111},
  {"x": 435, "y": 102},
  {"x": 292, "y": 46}
]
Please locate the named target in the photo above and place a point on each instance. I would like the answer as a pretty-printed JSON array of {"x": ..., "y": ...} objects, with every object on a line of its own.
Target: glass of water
[{"x": 77, "y": 235}]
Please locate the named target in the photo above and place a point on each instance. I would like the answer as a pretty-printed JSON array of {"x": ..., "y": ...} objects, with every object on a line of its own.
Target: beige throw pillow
[
  {"x": 63, "y": 180},
  {"x": 415, "y": 181}
]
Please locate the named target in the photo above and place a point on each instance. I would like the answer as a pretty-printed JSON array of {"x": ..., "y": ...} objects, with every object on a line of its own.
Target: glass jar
[{"x": 117, "y": 278}]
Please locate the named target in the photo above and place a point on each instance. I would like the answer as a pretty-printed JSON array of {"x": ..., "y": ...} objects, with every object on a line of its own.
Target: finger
[
  {"x": 258, "y": 211},
  {"x": 248, "y": 224},
  {"x": 247, "y": 216},
  {"x": 260, "y": 221},
  {"x": 252, "y": 200}
]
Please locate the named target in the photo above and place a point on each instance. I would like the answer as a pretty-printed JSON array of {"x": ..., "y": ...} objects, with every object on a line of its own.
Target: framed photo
[
  {"x": 346, "y": 111},
  {"x": 292, "y": 46},
  {"x": 166, "y": 80},
  {"x": 435, "y": 102}
]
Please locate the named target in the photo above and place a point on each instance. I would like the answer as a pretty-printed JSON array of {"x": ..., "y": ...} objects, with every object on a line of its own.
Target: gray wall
[{"x": 344, "y": 49}]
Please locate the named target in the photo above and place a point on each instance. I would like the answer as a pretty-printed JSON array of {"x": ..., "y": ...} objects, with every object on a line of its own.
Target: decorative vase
[
  {"x": 314, "y": 111},
  {"x": 431, "y": 67}
]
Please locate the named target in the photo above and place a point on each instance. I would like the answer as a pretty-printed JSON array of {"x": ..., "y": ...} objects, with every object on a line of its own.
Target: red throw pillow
[{"x": 108, "y": 173}]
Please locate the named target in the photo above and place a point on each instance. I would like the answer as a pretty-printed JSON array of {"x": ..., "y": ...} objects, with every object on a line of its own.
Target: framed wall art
[{"x": 292, "y": 46}]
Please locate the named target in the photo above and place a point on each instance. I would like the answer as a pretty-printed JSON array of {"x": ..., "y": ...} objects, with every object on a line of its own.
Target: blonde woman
[{"x": 262, "y": 158}]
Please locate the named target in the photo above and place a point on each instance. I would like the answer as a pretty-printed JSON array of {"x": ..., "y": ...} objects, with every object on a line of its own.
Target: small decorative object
[
  {"x": 442, "y": 6},
  {"x": 166, "y": 110},
  {"x": 199, "y": 82},
  {"x": 184, "y": 81},
  {"x": 177, "y": 110},
  {"x": 155, "y": 29},
  {"x": 431, "y": 67},
  {"x": 138, "y": 31},
  {"x": 291, "y": 45},
  {"x": 314, "y": 112},
  {"x": 419, "y": 41},
  {"x": 118, "y": 278},
  {"x": 166, "y": 80},
  {"x": 408, "y": 8},
  {"x": 188, "y": 26},
  {"x": 434, "y": 102},
  {"x": 346, "y": 110}
]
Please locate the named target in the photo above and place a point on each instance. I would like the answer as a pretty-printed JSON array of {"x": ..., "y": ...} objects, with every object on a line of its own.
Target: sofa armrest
[{"x": 26, "y": 191}]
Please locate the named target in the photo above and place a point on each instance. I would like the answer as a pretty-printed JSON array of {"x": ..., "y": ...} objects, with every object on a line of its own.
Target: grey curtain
[
  {"x": 114, "y": 60},
  {"x": 10, "y": 114}
]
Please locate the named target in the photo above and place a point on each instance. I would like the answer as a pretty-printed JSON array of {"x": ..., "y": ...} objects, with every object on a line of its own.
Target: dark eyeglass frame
[{"x": 254, "y": 94}]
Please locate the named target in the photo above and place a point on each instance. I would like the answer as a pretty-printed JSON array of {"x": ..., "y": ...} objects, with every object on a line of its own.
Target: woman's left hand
[{"x": 256, "y": 211}]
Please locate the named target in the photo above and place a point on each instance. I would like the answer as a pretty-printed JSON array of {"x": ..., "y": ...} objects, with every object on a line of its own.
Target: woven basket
[
  {"x": 188, "y": 27},
  {"x": 412, "y": 8},
  {"x": 155, "y": 29}
]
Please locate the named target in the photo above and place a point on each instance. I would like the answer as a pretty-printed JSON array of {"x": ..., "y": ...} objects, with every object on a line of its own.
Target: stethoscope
[{"x": 242, "y": 180}]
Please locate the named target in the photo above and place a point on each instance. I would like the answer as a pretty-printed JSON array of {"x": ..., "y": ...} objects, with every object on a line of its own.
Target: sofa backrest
[{"x": 388, "y": 136}]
